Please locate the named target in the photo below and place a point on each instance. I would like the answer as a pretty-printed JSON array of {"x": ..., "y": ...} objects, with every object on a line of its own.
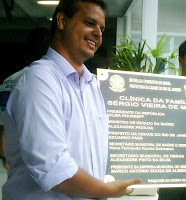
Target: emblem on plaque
[{"x": 117, "y": 83}]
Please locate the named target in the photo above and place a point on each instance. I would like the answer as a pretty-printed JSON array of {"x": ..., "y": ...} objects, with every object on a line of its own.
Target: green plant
[{"x": 130, "y": 57}]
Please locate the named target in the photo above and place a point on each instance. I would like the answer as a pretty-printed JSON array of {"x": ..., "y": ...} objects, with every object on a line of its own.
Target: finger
[{"x": 132, "y": 182}]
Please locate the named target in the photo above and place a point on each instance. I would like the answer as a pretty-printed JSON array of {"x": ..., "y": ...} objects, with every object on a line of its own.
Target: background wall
[{"x": 171, "y": 21}]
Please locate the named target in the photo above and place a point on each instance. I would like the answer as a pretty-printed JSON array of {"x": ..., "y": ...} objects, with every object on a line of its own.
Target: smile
[{"x": 91, "y": 42}]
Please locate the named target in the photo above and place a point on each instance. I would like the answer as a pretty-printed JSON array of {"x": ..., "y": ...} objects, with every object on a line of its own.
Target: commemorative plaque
[{"x": 147, "y": 127}]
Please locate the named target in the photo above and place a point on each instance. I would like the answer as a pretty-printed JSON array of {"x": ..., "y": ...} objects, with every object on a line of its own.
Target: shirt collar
[
  {"x": 66, "y": 67},
  {"x": 86, "y": 74}
]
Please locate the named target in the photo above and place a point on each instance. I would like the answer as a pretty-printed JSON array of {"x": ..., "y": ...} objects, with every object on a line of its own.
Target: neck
[{"x": 76, "y": 64}]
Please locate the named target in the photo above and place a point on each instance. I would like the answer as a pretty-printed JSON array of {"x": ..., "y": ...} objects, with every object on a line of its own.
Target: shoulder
[
  {"x": 41, "y": 74},
  {"x": 44, "y": 66}
]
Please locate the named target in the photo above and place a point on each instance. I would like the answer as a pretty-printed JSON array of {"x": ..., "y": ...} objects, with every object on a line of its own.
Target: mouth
[{"x": 92, "y": 43}]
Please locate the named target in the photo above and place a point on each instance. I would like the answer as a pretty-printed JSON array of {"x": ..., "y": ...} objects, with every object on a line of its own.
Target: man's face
[
  {"x": 82, "y": 34},
  {"x": 182, "y": 62}
]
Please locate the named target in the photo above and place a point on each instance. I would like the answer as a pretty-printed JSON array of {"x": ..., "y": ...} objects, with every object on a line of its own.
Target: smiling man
[
  {"x": 77, "y": 38},
  {"x": 56, "y": 124}
]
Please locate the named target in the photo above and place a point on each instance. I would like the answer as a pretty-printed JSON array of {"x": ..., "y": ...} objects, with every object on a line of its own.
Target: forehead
[{"x": 90, "y": 10}]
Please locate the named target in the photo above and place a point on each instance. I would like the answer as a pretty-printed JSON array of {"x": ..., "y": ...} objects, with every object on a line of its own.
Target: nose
[{"x": 97, "y": 32}]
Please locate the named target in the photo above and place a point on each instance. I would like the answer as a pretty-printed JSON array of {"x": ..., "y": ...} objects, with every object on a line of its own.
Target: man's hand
[
  {"x": 84, "y": 185},
  {"x": 119, "y": 188}
]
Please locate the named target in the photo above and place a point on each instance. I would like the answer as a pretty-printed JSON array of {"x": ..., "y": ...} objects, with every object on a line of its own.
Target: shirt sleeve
[{"x": 38, "y": 115}]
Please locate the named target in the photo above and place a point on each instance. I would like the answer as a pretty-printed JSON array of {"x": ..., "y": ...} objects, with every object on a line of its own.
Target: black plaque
[{"x": 147, "y": 127}]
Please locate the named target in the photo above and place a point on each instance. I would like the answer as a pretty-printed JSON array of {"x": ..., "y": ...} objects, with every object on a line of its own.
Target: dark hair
[
  {"x": 182, "y": 49},
  {"x": 69, "y": 8}
]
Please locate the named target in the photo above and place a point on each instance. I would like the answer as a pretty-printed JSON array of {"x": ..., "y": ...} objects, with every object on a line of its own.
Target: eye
[{"x": 89, "y": 23}]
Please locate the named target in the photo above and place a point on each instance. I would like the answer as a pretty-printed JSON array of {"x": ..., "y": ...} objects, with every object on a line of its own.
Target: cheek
[{"x": 100, "y": 42}]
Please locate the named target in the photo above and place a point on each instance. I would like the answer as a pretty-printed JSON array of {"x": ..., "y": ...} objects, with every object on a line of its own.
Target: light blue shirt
[{"x": 54, "y": 123}]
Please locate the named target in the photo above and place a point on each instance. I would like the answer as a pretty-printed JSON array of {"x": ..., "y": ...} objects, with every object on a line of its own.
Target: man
[
  {"x": 176, "y": 193},
  {"x": 56, "y": 127}
]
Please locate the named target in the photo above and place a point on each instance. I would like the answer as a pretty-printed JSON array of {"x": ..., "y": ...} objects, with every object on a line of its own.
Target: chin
[
  {"x": 87, "y": 55},
  {"x": 90, "y": 55}
]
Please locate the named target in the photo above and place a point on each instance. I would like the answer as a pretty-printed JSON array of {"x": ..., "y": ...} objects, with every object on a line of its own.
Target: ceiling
[{"x": 27, "y": 14}]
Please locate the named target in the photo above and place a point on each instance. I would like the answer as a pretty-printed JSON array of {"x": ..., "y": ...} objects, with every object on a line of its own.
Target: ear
[{"x": 60, "y": 20}]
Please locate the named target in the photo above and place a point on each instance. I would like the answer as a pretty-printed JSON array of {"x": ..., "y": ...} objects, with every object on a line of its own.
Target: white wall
[
  {"x": 136, "y": 16},
  {"x": 171, "y": 16}
]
